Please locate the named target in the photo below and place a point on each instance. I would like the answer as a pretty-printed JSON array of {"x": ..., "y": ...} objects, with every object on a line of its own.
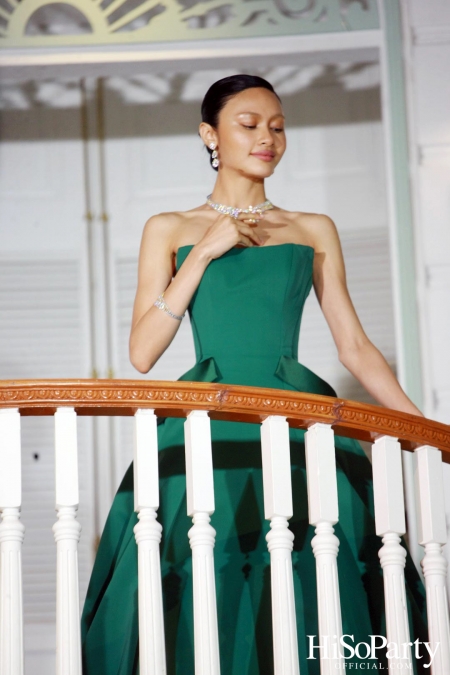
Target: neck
[{"x": 240, "y": 192}]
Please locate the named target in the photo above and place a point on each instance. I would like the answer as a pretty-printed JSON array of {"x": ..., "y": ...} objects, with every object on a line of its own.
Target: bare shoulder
[
  {"x": 320, "y": 227},
  {"x": 160, "y": 227},
  {"x": 167, "y": 229},
  {"x": 316, "y": 229}
]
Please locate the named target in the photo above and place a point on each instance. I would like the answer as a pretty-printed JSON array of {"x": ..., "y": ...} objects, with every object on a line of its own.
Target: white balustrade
[
  {"x": 433, "y": 535},
  {"x": 11, "y": 538},
  {"x": 323, "y": 513},
  {"x": 200, "y": 505},
  {"x": 276, "y": 462},
  {"x": 67, "y": 534},
  {"x": 152, "y": 656},
  {"x": 390, "y": 525}
]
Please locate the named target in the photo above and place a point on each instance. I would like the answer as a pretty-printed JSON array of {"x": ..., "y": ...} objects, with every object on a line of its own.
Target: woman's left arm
[{"x": 356, "y": 352}]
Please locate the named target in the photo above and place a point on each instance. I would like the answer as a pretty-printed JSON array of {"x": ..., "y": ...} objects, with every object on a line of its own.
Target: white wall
[{"x": 427, "y": 56}]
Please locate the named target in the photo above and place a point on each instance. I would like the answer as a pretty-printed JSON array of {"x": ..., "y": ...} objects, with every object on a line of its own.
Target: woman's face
[{"x": 250, "y": 133}]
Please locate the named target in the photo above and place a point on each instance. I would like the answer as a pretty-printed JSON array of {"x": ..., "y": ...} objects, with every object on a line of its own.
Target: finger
[
  {"x": 250, "y": 233},
  {"x": 246, "y": 241},
  {"x": 252, "y": 217}
]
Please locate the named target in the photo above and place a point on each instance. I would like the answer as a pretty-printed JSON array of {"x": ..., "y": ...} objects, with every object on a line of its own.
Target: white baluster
[
  {"x": 200, "y": 505},
  {"x": 433, "y": 535},
  {"x": 276, "y": 462},
  {"x": 390, "y": 524},
  {"x": 67, "y": 535},
  {"x": 323, "y": 512},
  {"x": 152, "y": 656},
  {"x": 11, "y": 538}
]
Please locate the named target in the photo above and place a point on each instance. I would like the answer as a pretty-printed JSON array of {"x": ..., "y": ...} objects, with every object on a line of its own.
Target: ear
[{"x": 207, "y": 133}]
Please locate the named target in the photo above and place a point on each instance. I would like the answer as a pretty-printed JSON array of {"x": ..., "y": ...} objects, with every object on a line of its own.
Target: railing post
[
  {"x": 276, "y": 462},
  {"x": 67, "y": 535},
  {"x": 11, "y": 538},
  {"x": 200, "y": 505},
  {"x": 323, "y": 513},
  {"x": 390, "y": 524},
  {"x": 433, "y": 535},
  {"x": 152, "y": 656}
]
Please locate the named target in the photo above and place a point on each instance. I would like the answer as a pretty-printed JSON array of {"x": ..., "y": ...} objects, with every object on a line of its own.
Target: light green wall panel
[{"x": 404, "y": 226}]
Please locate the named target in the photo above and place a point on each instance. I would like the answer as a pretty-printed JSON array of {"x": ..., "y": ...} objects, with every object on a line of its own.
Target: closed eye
[{"x": 246, "y": 126}]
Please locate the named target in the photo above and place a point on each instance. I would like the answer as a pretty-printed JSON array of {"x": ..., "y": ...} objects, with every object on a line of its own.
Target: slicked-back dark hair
[{"x": 221, "y": 91}]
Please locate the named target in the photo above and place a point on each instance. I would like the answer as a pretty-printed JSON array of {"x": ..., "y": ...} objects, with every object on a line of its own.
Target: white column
[
  {"x": 390, "y": 524},
  {"x": 416, "y": 551},
  {"x": 152, "y": 656},
  {"x": 276, "y": 462},
  {"x": 323, "y": 513},
  {"x": 200, "y": 505},
  {"x": 433, "y": 535},
  {"x": 11, "y": 538},
  {"x": 67, "y": 535}
]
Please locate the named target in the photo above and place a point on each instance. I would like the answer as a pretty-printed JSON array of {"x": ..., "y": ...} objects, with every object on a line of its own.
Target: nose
[{"x": 266, "y": 137}]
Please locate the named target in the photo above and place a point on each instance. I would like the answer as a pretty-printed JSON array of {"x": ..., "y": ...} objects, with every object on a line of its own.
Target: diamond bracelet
[{"x": 161, "y": 304}]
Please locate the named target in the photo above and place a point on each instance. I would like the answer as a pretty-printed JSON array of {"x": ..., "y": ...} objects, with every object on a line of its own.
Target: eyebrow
[{"x": 258, "y": 115}]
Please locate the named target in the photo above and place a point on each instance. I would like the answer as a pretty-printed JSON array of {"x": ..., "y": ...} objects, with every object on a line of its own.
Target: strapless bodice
[{"x": 246, "y": 314}]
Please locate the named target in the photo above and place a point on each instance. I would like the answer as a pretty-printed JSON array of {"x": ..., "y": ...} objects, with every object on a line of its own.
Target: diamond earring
[{"x": 215, "y": 161}]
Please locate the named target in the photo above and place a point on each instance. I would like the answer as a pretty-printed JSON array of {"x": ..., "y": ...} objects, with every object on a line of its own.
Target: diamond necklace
[{"x": 234, "y": 212}]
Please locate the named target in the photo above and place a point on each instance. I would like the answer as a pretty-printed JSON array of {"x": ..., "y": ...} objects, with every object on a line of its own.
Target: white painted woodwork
[
  {"x": 427, "y": 52},
  {"x": 200, "y": 505},
  {"x": 194, "y": 55},
  {"x": 323, "y": 513},
  {"x": 11, "y": 539},
  {"x": 67, "y": 535},
  {"x": 416, "y": 551},
  {"x": 390, "y": 525},
  {"x": 276, "y": 463},
  {"x": 152, "y": 655},
  {"x": 433, "y": 536},
  {"x": 44, "y": 324}
]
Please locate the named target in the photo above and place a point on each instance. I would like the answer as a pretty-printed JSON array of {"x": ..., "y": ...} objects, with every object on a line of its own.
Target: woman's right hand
[{"x": 227, "y": 232}]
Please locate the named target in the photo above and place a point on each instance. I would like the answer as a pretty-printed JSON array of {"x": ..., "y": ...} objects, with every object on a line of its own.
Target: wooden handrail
[{"x": 224, "y": 402}]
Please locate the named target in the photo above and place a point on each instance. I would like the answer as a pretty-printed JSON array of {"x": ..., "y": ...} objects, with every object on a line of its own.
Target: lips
[{"x": 266, "y": 156}]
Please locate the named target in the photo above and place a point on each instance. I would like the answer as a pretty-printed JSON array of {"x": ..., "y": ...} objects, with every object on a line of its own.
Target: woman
[{"x": 245, "y": 308}]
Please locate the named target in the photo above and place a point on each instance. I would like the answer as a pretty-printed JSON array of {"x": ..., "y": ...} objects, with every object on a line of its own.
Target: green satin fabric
[
  {"x": 245, "y": 317},
  {"x": 289, "y": 370}
]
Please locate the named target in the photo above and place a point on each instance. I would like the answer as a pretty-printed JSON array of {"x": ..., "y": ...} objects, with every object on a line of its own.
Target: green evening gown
[{"x": 245, "y": 316}]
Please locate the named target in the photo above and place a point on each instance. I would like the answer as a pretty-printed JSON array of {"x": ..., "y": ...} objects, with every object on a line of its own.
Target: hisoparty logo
[{"x": 330, "y": 649}]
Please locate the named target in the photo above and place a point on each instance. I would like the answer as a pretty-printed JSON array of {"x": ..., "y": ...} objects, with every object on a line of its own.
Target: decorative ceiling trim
[{"x": 33, "y": 23}]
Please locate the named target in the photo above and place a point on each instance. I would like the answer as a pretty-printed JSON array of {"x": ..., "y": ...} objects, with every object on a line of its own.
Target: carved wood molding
[{"x": 224, "y": 402}]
